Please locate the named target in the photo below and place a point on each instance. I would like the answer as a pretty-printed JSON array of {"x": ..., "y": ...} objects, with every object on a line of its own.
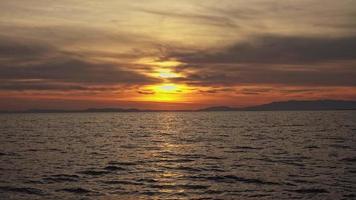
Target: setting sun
[
  {"x": 169, "y": 92},
  {"x": 167, "y": 88}
]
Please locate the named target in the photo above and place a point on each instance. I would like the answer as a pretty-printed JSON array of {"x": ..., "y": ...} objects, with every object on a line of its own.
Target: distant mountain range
[
  {"x": 306, "y": 105},
  {"x": 274, "y": 106},
  {"x": 293, "y": 105}
]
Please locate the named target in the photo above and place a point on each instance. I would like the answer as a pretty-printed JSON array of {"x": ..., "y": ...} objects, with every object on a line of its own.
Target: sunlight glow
[
  {"x": 167, "y": 88},
  {"x": 169, "y": 63},
  {"x": 166, "y": 73},
  {"x": 167, "y": 92},
  {"x": 159, "y": 63}
]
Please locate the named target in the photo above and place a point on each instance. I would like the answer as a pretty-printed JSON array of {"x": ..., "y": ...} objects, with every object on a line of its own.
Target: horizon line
[{"x": 260, "y": 107}]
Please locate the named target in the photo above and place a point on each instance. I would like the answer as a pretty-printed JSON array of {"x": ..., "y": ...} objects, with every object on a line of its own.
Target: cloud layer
[
  {"x": 38, "y": 66},
  {"x": 221, "y": 50},
  {"x": 272, "y": 59}
]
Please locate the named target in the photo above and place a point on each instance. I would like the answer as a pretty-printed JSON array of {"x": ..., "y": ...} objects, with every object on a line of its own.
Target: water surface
[{"x": 205, "y": 155}]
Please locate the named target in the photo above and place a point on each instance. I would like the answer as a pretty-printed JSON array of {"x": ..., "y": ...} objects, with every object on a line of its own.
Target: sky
[{"x": 165, "y": 54}]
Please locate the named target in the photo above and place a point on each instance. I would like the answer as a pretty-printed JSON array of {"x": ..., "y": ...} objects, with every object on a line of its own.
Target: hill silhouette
[
  {"x": 307, "y": 105},
  {"x": 293, "y": 105}
]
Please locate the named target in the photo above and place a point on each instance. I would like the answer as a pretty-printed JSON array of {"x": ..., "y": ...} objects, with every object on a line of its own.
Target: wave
[
  {"x": 94, "y": 172},
  {"x": 309, "y": 190},
  {"x": 121, "y": 182},
  {"x": 24, "y": 190},
  {"x": 125, "y": 163},
  {"x": 61, "y": 178},
  {"x": 187, "y": 187},
  {"x": 114, "y": 168},
  {"x": 233, "y": 178},
  {"x": 353, "y": 159},
  {"x": 77, "y": 190}
]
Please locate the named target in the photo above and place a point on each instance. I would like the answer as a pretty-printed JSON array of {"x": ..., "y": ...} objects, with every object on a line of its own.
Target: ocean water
[{"x": 201, "y": 155}]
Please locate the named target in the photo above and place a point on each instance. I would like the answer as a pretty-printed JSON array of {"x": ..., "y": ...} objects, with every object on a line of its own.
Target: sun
[
  {"x": 166, "y": 92},
  {"x": 169, "y": 90}
]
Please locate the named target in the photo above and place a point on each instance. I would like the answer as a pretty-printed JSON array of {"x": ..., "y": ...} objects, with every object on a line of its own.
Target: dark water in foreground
[{"x": 215, "y": 155}]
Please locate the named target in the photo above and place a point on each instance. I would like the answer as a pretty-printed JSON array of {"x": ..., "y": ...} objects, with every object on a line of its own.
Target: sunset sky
[{"x": 165, "y": 54}]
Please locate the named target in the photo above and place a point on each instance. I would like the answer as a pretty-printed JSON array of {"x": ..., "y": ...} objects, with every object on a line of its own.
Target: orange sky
[{"x": 187, "y": 54}]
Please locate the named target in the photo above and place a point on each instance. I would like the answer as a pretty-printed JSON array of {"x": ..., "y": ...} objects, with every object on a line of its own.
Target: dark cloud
[
  {"x": 278, "y": 50},
  {"x": 217, "y": 90},
  {"x": 44, "y": 85},
  {"x": 17, "y": 50},
  {"x": 255, "y": 91},
  {"x": 10, "y": 48},
  {"x": 16, "y": 86},
  {"x": 146, "y": 92},
  {"x": 24, "y": 60},
  {"x": 282, "y": 90},
  {"x": 274, "y": 60},
  {"x": 73, "y": 70},
  {"x": 223, "y": 75}
]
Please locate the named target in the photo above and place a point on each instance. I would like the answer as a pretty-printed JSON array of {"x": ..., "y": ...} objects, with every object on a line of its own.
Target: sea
[{"x": 178, "y": 155}]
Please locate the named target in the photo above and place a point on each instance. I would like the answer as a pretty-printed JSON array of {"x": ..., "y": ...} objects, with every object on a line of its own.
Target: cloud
[
  {"x": 282, "y": 90},
  {"x": 222, "y": 75},
  {"x": 276, "y": 49},
  {"x": 216, "y": 90},
  {"x": 74, "y": 70},
  {"x": 206, "y": 19},
  {"x": 40, "y": 86},
  {"x": 17, "y": 50},
  {"x": 25, "y": 60},
  {"x": 51, "y": 86},
  {"x": 10, "y": 48},
  {"x": 274, "y": 60}
]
